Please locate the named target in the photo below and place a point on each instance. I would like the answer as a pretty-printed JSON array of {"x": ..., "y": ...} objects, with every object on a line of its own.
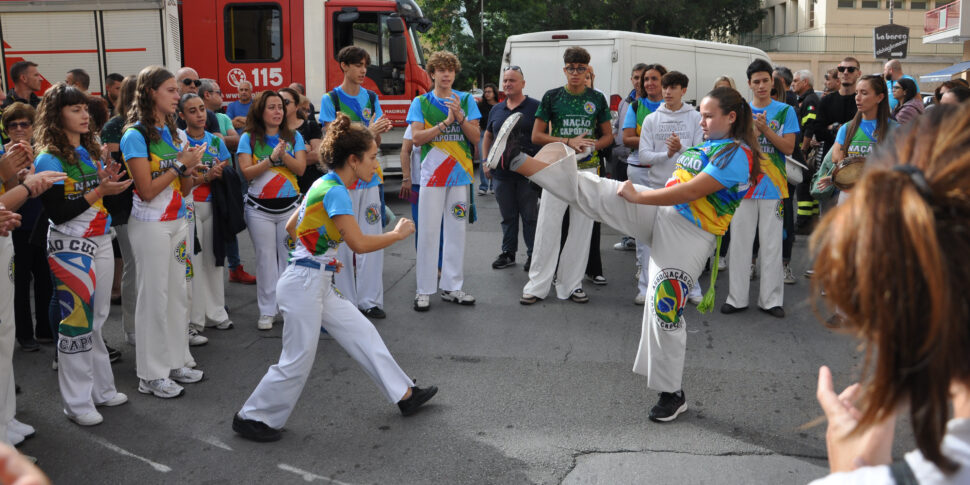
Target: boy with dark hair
[
  {"x": 573, "y": 112},
  {"x": 761, "y": 209},
  {"x": 364, "y": 286}
]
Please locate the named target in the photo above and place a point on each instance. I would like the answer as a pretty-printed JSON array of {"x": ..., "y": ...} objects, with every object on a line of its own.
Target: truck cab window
[
  {"x": 370, "y": 32},
  {"x": 253, "y": 33}
]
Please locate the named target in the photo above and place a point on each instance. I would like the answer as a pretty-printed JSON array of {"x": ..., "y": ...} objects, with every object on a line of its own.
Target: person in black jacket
[
  {"x": 808, "y": 101},
  {"x": 838, "y": 108}
]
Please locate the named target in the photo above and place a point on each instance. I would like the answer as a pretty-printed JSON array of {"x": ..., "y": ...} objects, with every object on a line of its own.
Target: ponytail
[
  {"x": 343, "y": 139},
  {"x": 742, "y": 130}
]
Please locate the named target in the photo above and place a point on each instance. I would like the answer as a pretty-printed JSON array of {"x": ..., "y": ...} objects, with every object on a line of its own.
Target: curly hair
[
  {"x": 143, "y": 107},
  {"x": 442, "y": 60},
  {"x": 49, "y": 132},
  {"x": 343, "y": 139},
  {"x": 255, "y": 125}
]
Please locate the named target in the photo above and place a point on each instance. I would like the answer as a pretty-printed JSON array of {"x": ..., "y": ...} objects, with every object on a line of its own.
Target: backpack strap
[
  {"x": 902, "y": 473},
  {"x": 635, "y": 105},
  {"x": 335, "y": 99}
]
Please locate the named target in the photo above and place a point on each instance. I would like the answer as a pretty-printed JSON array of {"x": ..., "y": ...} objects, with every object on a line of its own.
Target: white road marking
[
  {"x": 309, "y": 476},
  {"x": 212, "y": 440},
  {"x": 123, "y": 452}
]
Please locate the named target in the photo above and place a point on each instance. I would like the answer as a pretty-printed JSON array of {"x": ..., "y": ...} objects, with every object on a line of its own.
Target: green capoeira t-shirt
[{"x": 572, "y": 115}]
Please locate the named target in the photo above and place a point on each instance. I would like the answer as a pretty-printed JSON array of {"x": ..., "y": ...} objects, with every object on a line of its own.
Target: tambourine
[{"x": 848, "y": 172}]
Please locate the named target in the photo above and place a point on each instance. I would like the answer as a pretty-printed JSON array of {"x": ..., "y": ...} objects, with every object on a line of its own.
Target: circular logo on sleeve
[{"x": 589, "y": 107}]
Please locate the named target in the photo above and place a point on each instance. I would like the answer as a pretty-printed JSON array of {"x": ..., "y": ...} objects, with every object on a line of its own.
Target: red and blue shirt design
[
  {"x": 82, "y": 177},
  {"x": 773, "y": 182},
  {"x": 446, "y": 160},
  {"x": 318, "y": 236},
  {"x": 713, "y": 212},
  {"x": 168, "y": 205},
  {"x": 279, "y": 182}
]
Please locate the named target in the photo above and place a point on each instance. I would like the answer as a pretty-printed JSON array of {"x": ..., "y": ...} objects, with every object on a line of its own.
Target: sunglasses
[
  {"x": 850, "y": 69},
  {"x": 20, "y": 125},
  {"x": 189, "y": 82},
  {"x": 576, "y": 70},
  {"x": 512, "y": 68}
]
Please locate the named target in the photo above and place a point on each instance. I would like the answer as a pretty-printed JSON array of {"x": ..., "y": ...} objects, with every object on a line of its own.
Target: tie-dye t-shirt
[
  {"x": 446, "y": 160},
  {"x": 358, "y": 108},
  {"x": 215, "y": 153},
  {"x": 82, "y": 178},
  {"x": 572, "y": 115},
  {"x": 168, "y": 204},
  {"x": 634, "y": 118},
  {"x": 713, "y": 212},
  {"x": 279, "y": 182},
  {"x": 773, "y": 183},
  {"x": 864, "y": 139},
  {"x": 317, "y": 235}
]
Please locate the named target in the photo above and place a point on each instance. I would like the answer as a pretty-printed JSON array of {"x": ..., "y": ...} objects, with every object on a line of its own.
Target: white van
[{"x": 614, "y": 53}]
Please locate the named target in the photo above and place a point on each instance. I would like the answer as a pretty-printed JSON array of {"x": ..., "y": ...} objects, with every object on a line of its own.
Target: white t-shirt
[
  {"x": 956, "y": 446},
  {"x": 415, "y": 159}
]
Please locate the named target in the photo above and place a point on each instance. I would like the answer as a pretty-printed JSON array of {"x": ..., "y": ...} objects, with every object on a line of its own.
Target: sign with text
[{"x": 890, "y": 41}]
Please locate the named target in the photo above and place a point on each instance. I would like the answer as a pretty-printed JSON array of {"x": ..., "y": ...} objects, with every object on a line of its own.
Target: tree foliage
[{"x": 457, "y": 24}]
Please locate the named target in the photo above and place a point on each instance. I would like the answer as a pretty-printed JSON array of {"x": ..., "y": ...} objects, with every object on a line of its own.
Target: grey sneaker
[
  {"x": 164, "y": 388},
  {"x": 497, "y": 149},
  {"x": 458, "y": 296},
  {"x": 789, "y": 277},
  {"x": 195, "y": 339},
  {"x": 185, "y": 375}
]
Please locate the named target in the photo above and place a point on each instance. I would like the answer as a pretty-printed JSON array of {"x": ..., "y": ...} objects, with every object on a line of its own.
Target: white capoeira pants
[
  {"x": 208, "y": 280},
  {"x": 364, "y": 286},
  {"x": 270, "y": 241},
  {"x": 8, "y": 400},
  {"x": 763, "y": 216},
  {"x": 161, "y": 310},
  {"x": 546, "y": 257},
  {"x": 679, "y": 250},
  {"x": 306, "y": 295},
  {"x": 451, "y": 204},
  {"x": 83, "y": 270},
  {"x": 129, "y": 281}
]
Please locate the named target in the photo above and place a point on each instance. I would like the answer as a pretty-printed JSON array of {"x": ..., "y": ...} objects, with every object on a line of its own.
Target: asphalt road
[{"x": 541, "y": 394}]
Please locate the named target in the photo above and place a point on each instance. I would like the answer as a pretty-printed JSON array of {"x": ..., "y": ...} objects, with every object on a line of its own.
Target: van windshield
[{"x": 416, "y": 46}]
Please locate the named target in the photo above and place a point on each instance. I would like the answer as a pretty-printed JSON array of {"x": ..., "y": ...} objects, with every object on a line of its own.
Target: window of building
[
  {"x": 811, "y": 14},
  {"x": 254, "y": 32},
  {"x": 846, "y": 3},
  {"x": 918, "y": 5},
  {"x": 870, "y": 3}
]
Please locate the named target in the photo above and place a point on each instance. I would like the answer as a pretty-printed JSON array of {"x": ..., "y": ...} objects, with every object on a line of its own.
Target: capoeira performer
[
  {"x": 79, "y": 250},
  {"x": 444, "y": 123},
  {"x": 361, "y": 281},
  {"x": 323, "y": 222},
  {"x": 680, "y": 223}
]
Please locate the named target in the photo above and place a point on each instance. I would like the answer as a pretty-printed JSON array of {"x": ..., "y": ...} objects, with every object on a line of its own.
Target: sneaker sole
[
  {"x": 257, "y": 438},
  {"x": 501, "y": 139},
  {"x": 421, "y": 308},
  {"x": 452, "y": 300},
  {"x": 416, "y": 408},
  {"x": 672, "y": 417},
  {"x": 159, "y": 395},
  {"x": 502, "y": 266}
]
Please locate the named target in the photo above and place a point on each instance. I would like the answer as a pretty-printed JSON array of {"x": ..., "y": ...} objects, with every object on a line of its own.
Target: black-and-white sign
[{"x": 890, "y": 41}]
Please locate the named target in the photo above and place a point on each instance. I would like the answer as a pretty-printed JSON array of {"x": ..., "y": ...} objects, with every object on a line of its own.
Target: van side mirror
[
  {"x": 422, "y": 25},
  {"x": 348, "y": 16}
]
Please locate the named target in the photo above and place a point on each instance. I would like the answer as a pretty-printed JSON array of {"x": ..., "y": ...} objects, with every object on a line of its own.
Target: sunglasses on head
[
  {"x": 576, "y": 70},
  {"x": 850, "y": 69},
  {"x": 189, "y": 82},
  {"x": 512, "y": 68},
  {"x": 19, "y": 125}
]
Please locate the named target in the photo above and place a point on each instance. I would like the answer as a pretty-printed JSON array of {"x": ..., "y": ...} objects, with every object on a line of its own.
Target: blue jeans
[{"x": 517, "y": 199}]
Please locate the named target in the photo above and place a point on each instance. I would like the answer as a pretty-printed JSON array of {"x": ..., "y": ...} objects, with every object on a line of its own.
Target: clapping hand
[
  {"x": 38, "y": 183},
  {"x": 673, "y": 145},
  {"x": 9, "y": 220},
  {"x": 761, "y": 122},
  {"x": 455, "y": 112},
  {"x": 380, "y": 125},
  {"x": 110, "y": 179},
  {"x": 191, "y": 157}
]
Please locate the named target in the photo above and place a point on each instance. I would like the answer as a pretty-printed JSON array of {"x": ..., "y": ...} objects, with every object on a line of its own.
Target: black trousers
[{"x": 30, "y": 264}]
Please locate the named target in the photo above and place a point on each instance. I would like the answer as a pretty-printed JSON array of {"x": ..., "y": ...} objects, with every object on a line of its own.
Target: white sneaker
[
  {"x": 195, "y": 339},
  {"x": 164, "y": 388},
  {"x": 14, "y": 438},
  {"x": 86, "y": 419},
  {"x": 695, "y": 299},
  {"x": 223, "y": 325},
  {"x": 130, "y": 338},
  {"x": 789, "y": 277},
  {"x": 722, "y": 263},
  {"x": 186, "y": 375},
  {"x": 501, "y": 139},
  {"x": 458, "y": 296},
  {"x": 265, "y": 322},
  {"x": 422, "y": 302},
  {"x": 119, "y": 399},
  {"x": 22, "y": 429},
  {"x": 640, "y": 300}
]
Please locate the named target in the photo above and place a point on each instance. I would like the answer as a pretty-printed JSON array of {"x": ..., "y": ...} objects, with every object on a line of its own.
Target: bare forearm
[{"x": 368, "y": 243}]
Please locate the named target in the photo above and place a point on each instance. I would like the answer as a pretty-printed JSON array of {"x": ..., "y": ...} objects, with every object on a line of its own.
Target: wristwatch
[{"x": 179, "y": 167}]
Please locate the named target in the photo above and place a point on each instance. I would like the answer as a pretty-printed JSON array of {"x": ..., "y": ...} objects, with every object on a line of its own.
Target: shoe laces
[{"x": 668, "y": 398}]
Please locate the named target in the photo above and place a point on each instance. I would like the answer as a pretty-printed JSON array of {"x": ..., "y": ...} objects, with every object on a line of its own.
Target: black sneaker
[
  {"x": 528, "y": 264},
  {"x": 29, "y": 345},
  {"x": 255, "y": 430},
  {"x": 374, "y": 312},
  {"x": 114, "y": 355},
  {"x": 670, "y": 406},
  {"x": 504, "y": 260},
  {"x": 418, "y": 397}
]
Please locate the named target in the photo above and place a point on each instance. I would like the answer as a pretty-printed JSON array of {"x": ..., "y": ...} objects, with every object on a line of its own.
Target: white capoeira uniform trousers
[
  {"x": 679, "y": 250},
  {"x": 451, "y": 204},
  {"x": 270, "y": 241},
  {"x": 208, "y": 293},
  {"x": 546, "y": 257},
  {"x": 161, "y": 310},
  {"x": 306, "y": 295},
  {"x": 763, "y": 216},
  {"x": 129, "y": 279},
  {"x": 363, "y": 283},
  {"x": 8, "y": 400},
  {"x": 83, "y": 271}
]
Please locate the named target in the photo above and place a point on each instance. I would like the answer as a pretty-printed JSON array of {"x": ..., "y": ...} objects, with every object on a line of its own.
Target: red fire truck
[{"x": 268, "y": 43}]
